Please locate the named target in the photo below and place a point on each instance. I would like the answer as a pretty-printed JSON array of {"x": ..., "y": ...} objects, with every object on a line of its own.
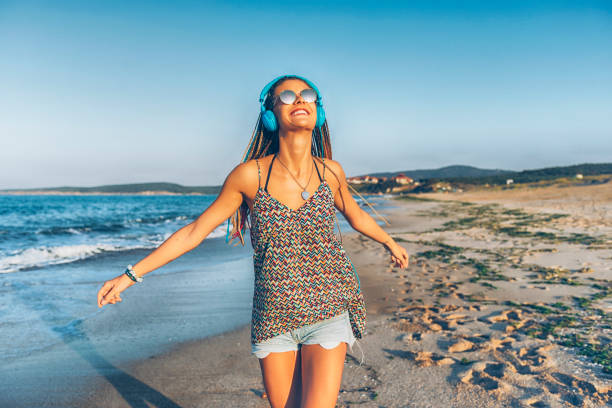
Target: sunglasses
[{"x": 288, "y": 97}]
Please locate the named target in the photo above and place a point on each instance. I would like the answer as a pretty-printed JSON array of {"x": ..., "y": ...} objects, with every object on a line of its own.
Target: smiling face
[{"x": 299, "y": 114}]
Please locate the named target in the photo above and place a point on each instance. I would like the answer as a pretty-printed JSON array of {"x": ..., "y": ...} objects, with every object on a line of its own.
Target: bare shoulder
[
  {"x": 334, "y": 173},
  {"x": 335, "y": 168},
  {"x": 243, "y": 176}
]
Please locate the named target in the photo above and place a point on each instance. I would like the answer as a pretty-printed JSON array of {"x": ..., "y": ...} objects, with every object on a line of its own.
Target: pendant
[{"x": 305, "y": 194}]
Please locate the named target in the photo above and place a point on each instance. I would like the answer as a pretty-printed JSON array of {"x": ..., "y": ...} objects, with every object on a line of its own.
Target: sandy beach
[{"x": 506, "y": 303}]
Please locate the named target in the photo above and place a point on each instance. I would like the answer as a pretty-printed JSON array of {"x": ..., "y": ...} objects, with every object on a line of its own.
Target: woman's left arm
[{"x": 362, "y": 221}]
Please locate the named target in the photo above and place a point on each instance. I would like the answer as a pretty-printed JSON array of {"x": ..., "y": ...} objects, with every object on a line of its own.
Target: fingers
[
  {"x": 108, "y": 294},
  {"x": 397, "y": 262},
  {"x": 405, "y": 258},
  {"x": 115, "y": 299},
  {"x": 111, "y": 298},
  {"x": 106, "y": 288},
  {"x": 399, "y": 256},
  {"x": 402, "y": 260}
]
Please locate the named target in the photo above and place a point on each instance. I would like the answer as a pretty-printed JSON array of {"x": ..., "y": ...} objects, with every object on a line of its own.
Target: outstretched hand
[
  {"x": 110, "y": 291},
  {"x": 399, "y": 256}
]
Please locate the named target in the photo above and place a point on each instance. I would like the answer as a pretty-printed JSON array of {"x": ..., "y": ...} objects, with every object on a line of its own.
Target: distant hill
[
  {"x": 457, "y": 175},
  {"x": 135, "y": 188},
  {"x": 528, "y": 176},
  {"x": 467, "y": 177},
  {"x": 445, "y": 172}
]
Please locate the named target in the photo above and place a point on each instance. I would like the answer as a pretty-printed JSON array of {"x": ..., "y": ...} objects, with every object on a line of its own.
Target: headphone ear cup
[
  {"x": 269, "y": 121},
  {"x": 320, "y": 116}
]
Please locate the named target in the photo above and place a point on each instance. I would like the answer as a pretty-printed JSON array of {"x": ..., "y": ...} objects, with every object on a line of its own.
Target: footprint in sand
[{"x": 486, "y": 375}]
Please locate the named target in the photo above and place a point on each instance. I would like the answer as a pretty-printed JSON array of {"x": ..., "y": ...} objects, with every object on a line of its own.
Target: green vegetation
[
  {"x": 465, "y": 361},
  {"x": 545, "y": 176},
  {"x": 539, "y": 308},
  {"x": 583, "y": 239},
  {"x": 582, "y": 302},
  {"x": 586, "y": 303},
  {"x": 552, "y": 275},
  {"x": 483, "y": 271},
  {"x": 412, "y": 197},
  {"x": 510, "y": 222},
  {"x": 548, "y": 321},
  {"x": 433, "y": 213},
  {"x": 477, "y": 297},
  {"x": 549, "y": 326},
  {"x": 599, "y": 353},
  {"x": 568, "y": 322},
  {"x": 470, "y": 176},
  {"x": 381, "y": 187},
  {"x": 560, "y": 306},
  {"x": 444, "y": 254}
]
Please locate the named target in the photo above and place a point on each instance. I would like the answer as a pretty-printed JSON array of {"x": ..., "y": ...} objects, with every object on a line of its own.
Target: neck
[{"x": 295, "y": 148}]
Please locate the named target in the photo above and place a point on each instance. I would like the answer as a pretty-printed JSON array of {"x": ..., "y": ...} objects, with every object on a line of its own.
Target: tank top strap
[
  {"x": 316, "y": 168},
  {"x": 258, "y": 174},
  {"x": 323, "y": 159},
  {"x": 269, "y": 171}
]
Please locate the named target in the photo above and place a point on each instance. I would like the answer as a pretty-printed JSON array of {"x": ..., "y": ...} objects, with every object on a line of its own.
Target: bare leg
[
  {"x": 321, "y": 375},
  {"x": 282, "y": 378}
]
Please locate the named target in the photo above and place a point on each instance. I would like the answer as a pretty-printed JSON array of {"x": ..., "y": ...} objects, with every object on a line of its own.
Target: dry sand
[{"x": 506, "y": 303}]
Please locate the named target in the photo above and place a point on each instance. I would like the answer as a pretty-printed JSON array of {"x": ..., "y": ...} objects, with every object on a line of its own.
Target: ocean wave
[
  {"x": 52, "y": 255},
  {"x": 44, "y": 256},
  {"x": 159, "y": 219},
  {"x": 109, "y": 227}
]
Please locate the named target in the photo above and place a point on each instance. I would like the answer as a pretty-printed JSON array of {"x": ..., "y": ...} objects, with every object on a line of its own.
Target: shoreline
[
  {"x": 483, "y": 317},
  {"x": 228, "y": 375}
]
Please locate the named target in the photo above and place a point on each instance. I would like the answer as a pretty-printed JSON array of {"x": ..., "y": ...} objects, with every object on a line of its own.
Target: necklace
[{"x": 305, "y": 194}]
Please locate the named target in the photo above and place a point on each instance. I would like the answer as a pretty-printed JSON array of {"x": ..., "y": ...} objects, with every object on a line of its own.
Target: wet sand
[{"x": 506, "y": 303}]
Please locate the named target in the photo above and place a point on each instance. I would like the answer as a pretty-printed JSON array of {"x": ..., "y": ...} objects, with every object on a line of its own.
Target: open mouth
[{"x": 299, "y": 112}]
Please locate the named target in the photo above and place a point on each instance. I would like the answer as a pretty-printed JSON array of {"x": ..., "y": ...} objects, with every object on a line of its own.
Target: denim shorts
[{"x": 328, "y": 333}]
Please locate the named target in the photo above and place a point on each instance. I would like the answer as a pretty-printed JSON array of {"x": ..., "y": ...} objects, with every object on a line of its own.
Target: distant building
[
  {"x": 509, "y": 181},
  {"x": 403, "y": 179},
  {"x": 442, "y": 186},
  {"x": 579, "y": 176},
  {"x": 362, "y": 180}
]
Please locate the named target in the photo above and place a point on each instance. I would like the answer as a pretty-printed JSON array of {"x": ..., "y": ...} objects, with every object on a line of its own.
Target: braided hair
[{"x": 264, "y": 142}]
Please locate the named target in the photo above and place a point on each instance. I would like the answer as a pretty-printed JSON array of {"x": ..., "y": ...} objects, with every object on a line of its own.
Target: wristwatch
[{"x": 132, "y": 275}]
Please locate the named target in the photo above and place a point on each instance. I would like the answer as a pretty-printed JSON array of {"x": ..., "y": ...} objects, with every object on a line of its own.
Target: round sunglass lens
[
  {"x": 309, "y": 95},
  {"x": 287, "y": 97}
]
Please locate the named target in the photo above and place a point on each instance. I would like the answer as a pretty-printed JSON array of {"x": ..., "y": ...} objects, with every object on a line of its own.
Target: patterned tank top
[{"x": 302, "y": 273}]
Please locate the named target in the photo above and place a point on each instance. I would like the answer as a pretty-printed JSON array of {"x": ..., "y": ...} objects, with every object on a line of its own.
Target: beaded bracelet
[{"x": 132, "y": 275}]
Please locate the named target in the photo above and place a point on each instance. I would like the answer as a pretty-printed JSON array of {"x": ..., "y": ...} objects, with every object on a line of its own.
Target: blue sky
[{"x": 111, "y": 92}]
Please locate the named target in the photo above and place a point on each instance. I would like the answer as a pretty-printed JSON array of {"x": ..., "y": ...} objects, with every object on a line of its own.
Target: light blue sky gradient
[{"x": 111, "y": 92}]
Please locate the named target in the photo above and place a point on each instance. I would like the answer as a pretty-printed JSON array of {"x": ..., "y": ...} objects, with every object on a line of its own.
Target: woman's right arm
[{"x": 186, "y": 238}]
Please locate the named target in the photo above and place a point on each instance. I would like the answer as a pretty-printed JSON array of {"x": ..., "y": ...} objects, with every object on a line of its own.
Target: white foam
[
  {"x": 220, "y": 231},
  {"x": 46, "y": 255},
  {"x": 41, "y": 256}
]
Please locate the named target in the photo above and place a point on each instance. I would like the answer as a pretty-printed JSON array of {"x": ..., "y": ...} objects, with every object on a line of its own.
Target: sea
[{"x": 56, "y": 251}]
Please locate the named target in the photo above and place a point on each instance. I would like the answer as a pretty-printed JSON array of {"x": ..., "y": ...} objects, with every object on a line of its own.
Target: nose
[{"x": 298, "y": 97}]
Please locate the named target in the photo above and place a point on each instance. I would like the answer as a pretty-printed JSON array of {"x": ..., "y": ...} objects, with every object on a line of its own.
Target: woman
[{"x": 307, "y": 304}]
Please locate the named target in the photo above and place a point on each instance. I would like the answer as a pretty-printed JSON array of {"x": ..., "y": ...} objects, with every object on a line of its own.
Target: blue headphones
[{"x": 267, "y": 117}]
